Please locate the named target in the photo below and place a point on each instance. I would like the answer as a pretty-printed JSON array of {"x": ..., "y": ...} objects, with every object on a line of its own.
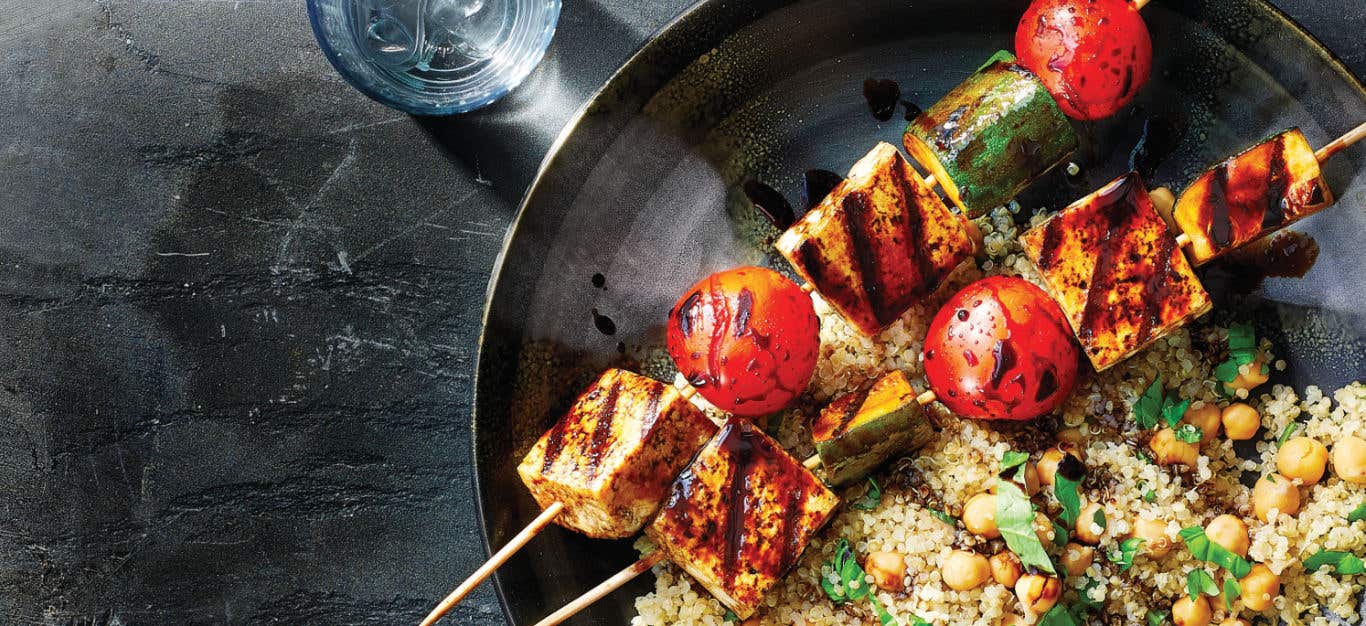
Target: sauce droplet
[
  {"x": 772, "y": 204},
  {"x": 882, "y": 96},
  {"x": 599, "y": 280},
  {"x": 604, "y": 324}
]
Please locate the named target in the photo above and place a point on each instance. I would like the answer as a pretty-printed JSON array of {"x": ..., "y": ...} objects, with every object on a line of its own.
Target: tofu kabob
[
  {"x": 610, "y": 463},
  {"x": 1001, "y": 348}
]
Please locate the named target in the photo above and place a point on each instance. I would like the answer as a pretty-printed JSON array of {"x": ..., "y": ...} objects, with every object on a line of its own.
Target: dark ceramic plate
[{"x": 643, "y": 189}]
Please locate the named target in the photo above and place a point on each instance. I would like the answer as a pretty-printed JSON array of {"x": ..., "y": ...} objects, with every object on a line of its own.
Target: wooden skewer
[
  {"x": 604, "y": 588},
  {"x": 494, "y": 562},
  {"x": 1341, "y": 143},
  {"x": 1322, "y": 154}
]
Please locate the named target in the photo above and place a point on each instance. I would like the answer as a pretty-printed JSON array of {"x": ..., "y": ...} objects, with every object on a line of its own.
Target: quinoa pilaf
[{"x": 1152, "y": 496}]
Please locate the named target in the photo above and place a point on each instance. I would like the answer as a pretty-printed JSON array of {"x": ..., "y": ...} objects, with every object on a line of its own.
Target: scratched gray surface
[{"x": 239, "y": 306}]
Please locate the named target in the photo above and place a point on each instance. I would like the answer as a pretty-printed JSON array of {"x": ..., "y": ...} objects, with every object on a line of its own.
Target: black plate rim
[{"x": 553, "y": 155}]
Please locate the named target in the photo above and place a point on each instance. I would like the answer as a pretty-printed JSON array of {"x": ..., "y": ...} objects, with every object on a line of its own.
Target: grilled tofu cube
[
  {"x": 740, "y": 516},
  {"x": 861, "y": 430},
  {"x": 1116, "y": 271},
  {"x": 879, "y": 242},
  {"x": 612, "y": 457},
  {"x": 1266, "y": 188}
]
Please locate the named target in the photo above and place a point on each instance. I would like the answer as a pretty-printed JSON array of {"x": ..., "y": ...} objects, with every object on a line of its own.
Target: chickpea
[
  {"x": 888, "y": 570},
  {"x": 1206, "y": 418},
  {"x": 1089, "y": 530},
  {"x": 979, "y": 516},
  {"x": 1241, "y": 421},
  {"x": 1043, "y": 528},
  {"x": 1037, "y": 593},
  {"x": 1076, "y": 558},
  {"x": 1006, "y": 568},
  {"x": 1275, "y": 491},
  {"x": 1071, "y": 439},
  {"x": 1349, "y": 460},
  {"x": 1260, "y": 588},
  {"x": 1187, "y": 612},
  {"x": 1011, "y": 619},
  {"x": 1233, "y": 621},
  {"x": 975, "y": 234},
  {"x": 1168, "y": 450},
  {"x": 1031, "y": 476},
  {"x": 1048, "y": 465},
  {"x": 1229, "y": 532},
  {"x": 1156, "y": 542},
  {"x": 1249, "y": 376},
  {"x": 1303, "y": 458},
  {"x": 963, "y": 570}
]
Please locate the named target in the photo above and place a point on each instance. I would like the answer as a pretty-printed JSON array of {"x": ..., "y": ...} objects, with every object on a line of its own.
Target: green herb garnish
[
  {"x": 1198, "y": 582},
  {"x": 851, "y": 586},
  {"x": 1285, "y": 434},
  {"x": 1157, "y": 618},
  {"x": 943, "y": 517},
  {"x": 1015, "y": 519},
  {"x": 1150, "y": 496},
  {"x": 1099, "y": 519},
  {"x": 1128, "y": 549},
  {"x": 1060, "y": 534},
  {"x": 1358, "y": 513},
  {"x": 1011, "y": 460},
  {"x": 1189, "y": 433},
  {"x": 1242, "y": 349},
  {"x": 1231, "y": 592},
  {"x": 1202, "y": 548},
  {"x": 1154, "y": 403},
  {"x": 1343, "y": 563},
  {"x": 871, "y": 499},
  {"x": 1058, "y": 616},
  {"x": 730, "y": 616},
  {"x": 1066, "y": 491}
]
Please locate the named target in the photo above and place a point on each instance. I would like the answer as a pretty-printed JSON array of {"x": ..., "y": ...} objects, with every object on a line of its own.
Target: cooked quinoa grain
[{"x": 1139, "y": 498}]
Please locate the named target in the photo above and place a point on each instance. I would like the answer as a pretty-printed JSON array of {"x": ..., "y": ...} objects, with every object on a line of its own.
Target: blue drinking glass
[{"x": 434, "y": 57}]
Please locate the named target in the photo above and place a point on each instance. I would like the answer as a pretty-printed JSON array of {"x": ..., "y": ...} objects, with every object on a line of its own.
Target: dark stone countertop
[{"x": 241, "y": 305}]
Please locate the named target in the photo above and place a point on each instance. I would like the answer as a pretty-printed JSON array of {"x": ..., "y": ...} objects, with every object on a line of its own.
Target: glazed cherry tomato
[
  {"x": 1001, "y": 349},
  {"x": 1092, "y": 55},
  {"x": 746, "y": 338}
]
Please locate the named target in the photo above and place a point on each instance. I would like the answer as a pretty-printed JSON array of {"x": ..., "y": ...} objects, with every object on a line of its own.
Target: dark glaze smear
[
  {"x": 772, "y": 204},
  {"x": 1071, "y": 468},
  {"x": 913, "y": 110},
  {"x": 604, "y": 324},
  {"x": 685, "y": 311},
  {"x": 792, "y": 547},
  {"x": 1160, "y": 137},
  {"x": 602, "y": 430},
  {"x": 817, "y": 185},
  {"x": 745, "y": 302},
  {"x": 1004, "y": 355},
  {"x": 741, "y": 451},
  {"x": 1277, "y": 180},
  {"x": 554, "y": 442},
  {"x": 1158, "y": 287},
  {"x": 1289, "y": 254},
  {"x": 1241, "y": 205},
  {"x": 882, "y": 96},
  {"x": 1048, "y": 383}
]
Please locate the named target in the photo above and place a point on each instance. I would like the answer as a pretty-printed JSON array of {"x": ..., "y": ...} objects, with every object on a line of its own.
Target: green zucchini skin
[
  {"x": 852, "y": 455},
  {"x": 991, "y": 136}
]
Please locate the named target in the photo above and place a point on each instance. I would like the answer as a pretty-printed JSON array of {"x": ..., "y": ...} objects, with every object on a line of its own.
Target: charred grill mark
[
  {"x": 1005, "y": 360},
  {"x": 652, "y": 415},
  {"x": 1215, "y": 211},
  {"x": 554, "y": 444},
  {"x": 916, "y": 246},
  {"x": 1048, "y": 383},
  {"x": 850, "y": 412},
  {"x": 740, "y": 450},
  {"x": 858, "y": 222},
  {"x": 602, "y": 430},
  {"x": 1159, "y": 287},
  {"x": 1118, "y": 211},
  {"x": 791, "y": 533},
  {"x": 685, "y": 313},
  {"x": 1277, "y": 182},
  {"x": 745, "y": 302},
  {"x": 1048, "y": 248}
]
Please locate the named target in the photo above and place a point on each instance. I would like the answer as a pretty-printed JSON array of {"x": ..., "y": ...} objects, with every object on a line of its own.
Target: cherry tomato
[
  {"x": 746, "y": 338},
  {"x": 1001, "y": 349},
  {"x": 1092, "y": 55}
]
